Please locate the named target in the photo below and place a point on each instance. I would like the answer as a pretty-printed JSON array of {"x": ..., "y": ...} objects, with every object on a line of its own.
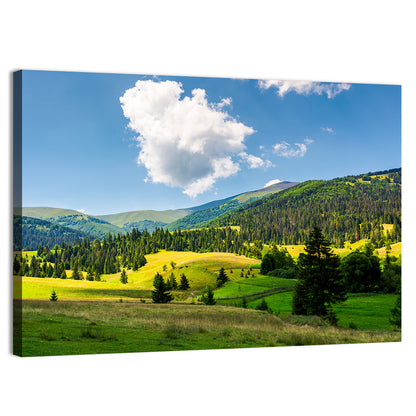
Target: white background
[{"x": 354, "y": 41}]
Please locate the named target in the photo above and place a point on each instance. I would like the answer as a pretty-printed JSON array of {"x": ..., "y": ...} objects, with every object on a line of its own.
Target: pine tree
[
  {"x": 222, "y": 277},
  {"x": 75, "y": 273},
  {"x": 320, "y": 283},
  {"x": 172, "y": 281},
  {"x": 54, "y": 296},
  {"x": 184, "y": 284},
  {"x": 208, "y": 297},
  {"x": 160, "y": 294},
  {"x": 123, "y": 277}
]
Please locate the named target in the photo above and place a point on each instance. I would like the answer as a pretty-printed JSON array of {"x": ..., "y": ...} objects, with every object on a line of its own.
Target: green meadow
[
  {"x": 108, "y": 316},
  {"x": 90, "y": 327}
]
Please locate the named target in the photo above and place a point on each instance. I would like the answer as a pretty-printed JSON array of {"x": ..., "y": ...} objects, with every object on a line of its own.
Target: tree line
[{"x": 346, "y": 209}]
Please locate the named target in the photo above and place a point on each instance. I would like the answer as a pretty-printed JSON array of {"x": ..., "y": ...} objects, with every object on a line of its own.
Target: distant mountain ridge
[
  {"x": 73, "y": 219},
  {"x": 98, "y": 226},
  {"x": 30, "y": 232},
  {"x": 348, "y": 207},
  {"x": 199, "y": 217}
]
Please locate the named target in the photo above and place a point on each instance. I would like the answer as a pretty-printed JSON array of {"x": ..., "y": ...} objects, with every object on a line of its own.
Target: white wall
[{"x": 352, "y": 41}]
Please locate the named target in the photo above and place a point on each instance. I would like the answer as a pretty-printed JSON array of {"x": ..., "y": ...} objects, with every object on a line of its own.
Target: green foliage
[
  {"x": 54, "y": 296},
  {"x": 285, "y": 273},
  {"x": 214, "y": 209},
  {"x": 184, "y": 283},
  {"x": 172, "y": 282},
  {"x": 207, "y": 297},
  {"x": 160, "y": 293},
  {"x": 30, "y": 232},
  {"x": 343, "y": 211},
  {"x": 320, "y": 283},
  {"x": 262, "y": 306},
  {"x": 75, "y": 274},
  {"x": 278, "y": 262},
  {"x": 396, "y": 312},
  {"x": 123, "y": 277},
  {"x": 361, "y": 272},
  {"x": 391, "y": 275},
  {"x": 222, "y": 277}
]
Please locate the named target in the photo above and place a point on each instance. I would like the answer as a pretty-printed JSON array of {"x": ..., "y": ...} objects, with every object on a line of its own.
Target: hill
[
  {"x": 76, "y": 220},
  {"x": 207, "y": 212},
  {"x": 144, "y": 219},
  {"x": 30, "y": 232},
  {"x": 346, "y": 209}
]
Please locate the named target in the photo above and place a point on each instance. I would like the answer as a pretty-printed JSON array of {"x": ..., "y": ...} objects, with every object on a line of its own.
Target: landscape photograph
[{"x": 171, "y": 213}]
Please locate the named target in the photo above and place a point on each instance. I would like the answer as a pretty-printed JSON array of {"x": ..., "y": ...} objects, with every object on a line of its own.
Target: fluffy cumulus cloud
[
  {"x": 284, "y": 149},
  {"x": 255, "y": 162},
  {"x": 184, "y": 142},
  {"x": 304, "y": 87}
]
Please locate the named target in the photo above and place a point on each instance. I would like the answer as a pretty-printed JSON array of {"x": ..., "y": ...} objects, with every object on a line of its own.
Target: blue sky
[{"x": 200, "y": 139}]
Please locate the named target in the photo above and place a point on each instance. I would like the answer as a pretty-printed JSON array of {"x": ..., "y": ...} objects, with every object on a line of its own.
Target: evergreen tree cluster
[{"x": 346, "y": 209}]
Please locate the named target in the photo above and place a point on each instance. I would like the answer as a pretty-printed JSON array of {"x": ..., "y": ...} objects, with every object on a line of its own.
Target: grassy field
[
  {"x": 108, "y": 316},
  {"x": 200, "y": 268},
  {"x": 252, "y": 285},
  {"x": 90, "y": 327},
  {"x": 365, "y": 311}
]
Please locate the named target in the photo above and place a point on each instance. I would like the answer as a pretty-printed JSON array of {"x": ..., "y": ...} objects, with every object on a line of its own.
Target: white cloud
[
  {"x": 82, "y": 210},
  {"x": 272, "y": 182},
  {"x": 255, "y": 162},
  {"x": 224, "y": 102},
  {"x": 328, "y": 129},
  {"x": 185, "y": 142},
  {"x": 304, "y": 87},
  {"x": 284, "y": 149}
]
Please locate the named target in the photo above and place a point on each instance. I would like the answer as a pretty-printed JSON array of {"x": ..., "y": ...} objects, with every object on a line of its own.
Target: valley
[{"x": 96, "y": 311}]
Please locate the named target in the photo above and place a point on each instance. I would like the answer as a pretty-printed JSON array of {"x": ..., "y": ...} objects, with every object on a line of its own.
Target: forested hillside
[
  {"x": 73, "y": 219},
  {"x": 30, "y": 232},
  {"x": 349, "y": 208},
  {"x": 201, "y": 216}
]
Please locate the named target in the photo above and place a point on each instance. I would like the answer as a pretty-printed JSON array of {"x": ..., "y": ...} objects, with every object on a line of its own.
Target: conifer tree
[
  {"x": 75, "y": 273},
  {"x": 160, "y": 293},
  {"x": 173, "y": 281},
  {"x": 208, "y": 297},
  {"x": 123, "y": 277},
  {"x": 54, "y": 296},
  {"x": 320, "y": 283},
  {"x": 184, "y": 284},
  {"x": 222, "y": 277}
]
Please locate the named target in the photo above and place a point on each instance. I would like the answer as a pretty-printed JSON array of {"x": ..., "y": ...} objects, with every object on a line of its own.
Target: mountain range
[
  {"x": 40, "y": 223},
  {"x": 348, "y": 208}
]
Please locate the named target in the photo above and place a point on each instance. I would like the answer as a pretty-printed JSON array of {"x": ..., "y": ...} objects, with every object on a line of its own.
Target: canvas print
[{"x": 166, "y": 213}]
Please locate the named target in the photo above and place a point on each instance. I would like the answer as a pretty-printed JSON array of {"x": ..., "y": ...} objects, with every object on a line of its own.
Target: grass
[
  {"x": 366, "y": 311},
  {"x": 75, "y": 327},
  {"x": 200, "y": 268},
  {"x": 252, "y": 285}
]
